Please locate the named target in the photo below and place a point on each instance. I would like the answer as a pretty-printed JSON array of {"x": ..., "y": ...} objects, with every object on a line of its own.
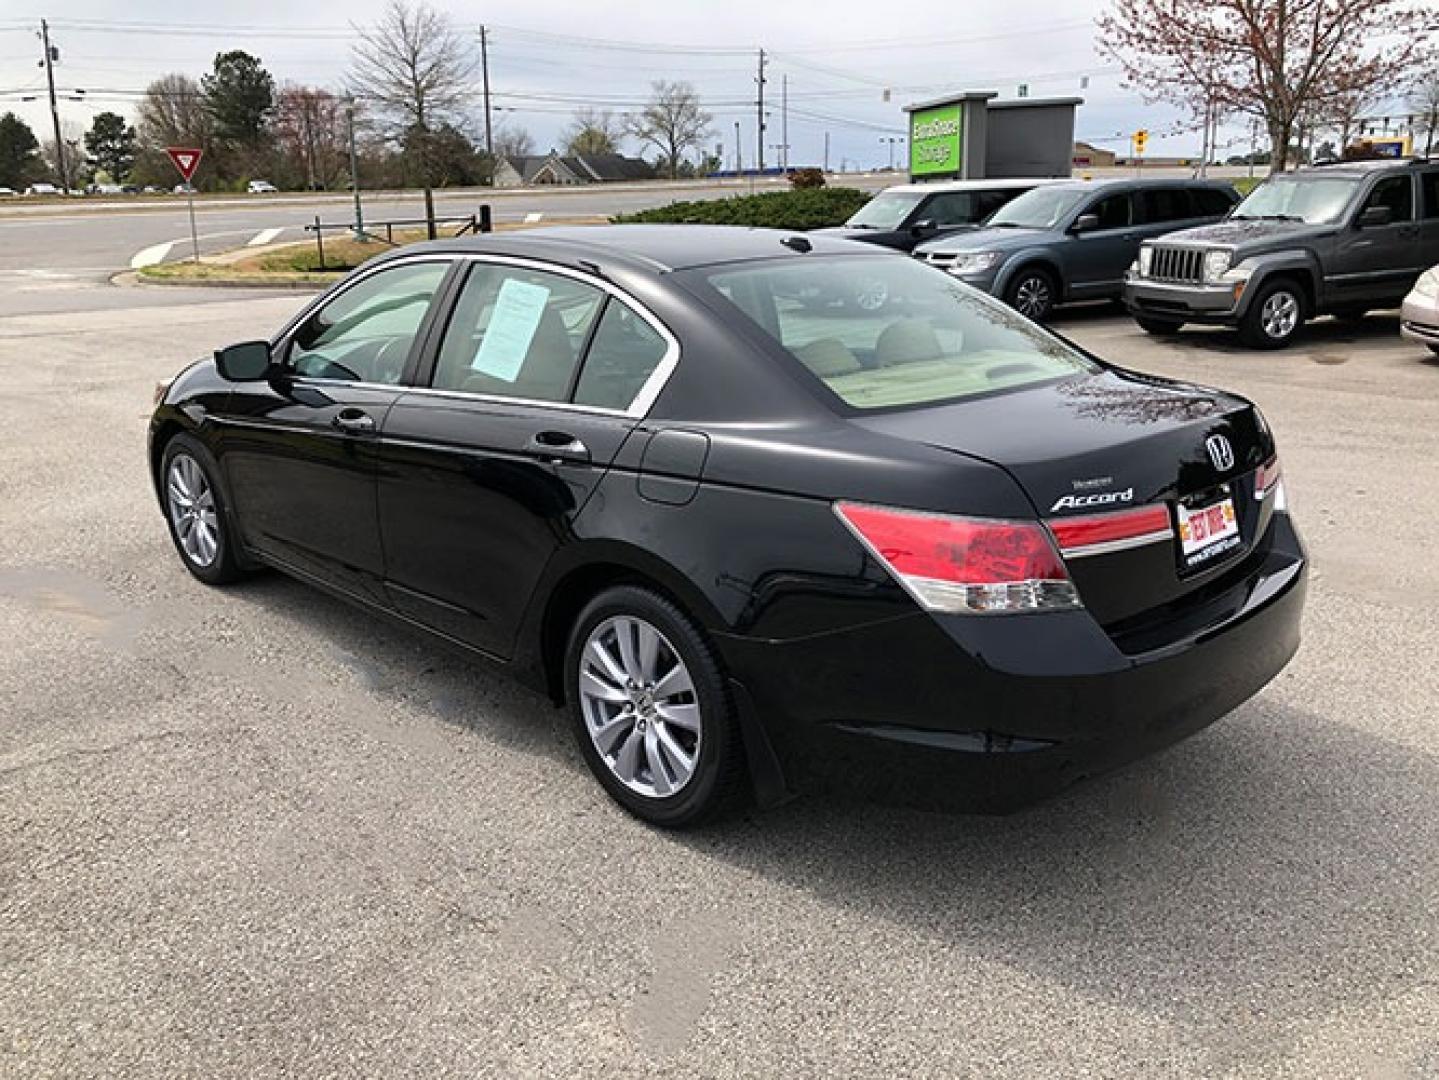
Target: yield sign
[{"x": 185, "y": 160}]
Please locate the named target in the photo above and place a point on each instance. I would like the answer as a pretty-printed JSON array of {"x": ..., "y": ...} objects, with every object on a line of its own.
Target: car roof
[
  {"x": 652, "y": 248},
  {"x": 1129, "y": 183},
  {"x": 997, "y": 184},
  {"x": 1360, "y": 167}
]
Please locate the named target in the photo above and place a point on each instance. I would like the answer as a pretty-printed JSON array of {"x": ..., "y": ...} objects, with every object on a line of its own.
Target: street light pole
[
  {"x": 50, "y": 53},
  {"x": 355, "y": 171}
]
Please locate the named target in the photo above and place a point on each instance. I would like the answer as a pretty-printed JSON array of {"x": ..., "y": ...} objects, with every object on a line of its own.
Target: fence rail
[{"x": 471, "y": 224}]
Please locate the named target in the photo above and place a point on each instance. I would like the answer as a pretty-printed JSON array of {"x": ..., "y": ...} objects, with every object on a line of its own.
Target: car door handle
[
  {"x": 557, "y": 446},
  {"x": 353, "y": 422}
]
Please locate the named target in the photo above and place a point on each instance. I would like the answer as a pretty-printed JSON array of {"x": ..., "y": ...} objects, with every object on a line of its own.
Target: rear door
[
  {"x": 1429, "y": 222},
  {"x": 540, "y": 376},
  {"x": 299, "y": 450}
]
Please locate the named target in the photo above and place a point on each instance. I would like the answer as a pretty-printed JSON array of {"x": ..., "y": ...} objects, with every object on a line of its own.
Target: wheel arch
[
  {"x": 1297, "y": 265},
  {"x": 1039, "y": 260}
]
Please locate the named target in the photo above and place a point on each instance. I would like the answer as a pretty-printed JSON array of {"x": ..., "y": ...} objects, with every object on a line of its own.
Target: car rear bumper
[
  {"x": 1218, "y": 304},
  {"x": 991, "y": 713}
]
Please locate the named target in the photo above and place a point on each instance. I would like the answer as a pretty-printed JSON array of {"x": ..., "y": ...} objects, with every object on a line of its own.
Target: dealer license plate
[{"x": 1207, "y": 532}]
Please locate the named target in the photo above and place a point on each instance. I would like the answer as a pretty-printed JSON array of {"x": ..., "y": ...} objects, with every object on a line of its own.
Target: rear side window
[
  {"x": 1158, "y": 205},
  {"x": 937, "y": 340},
  {"x": 625, "y": 352},
  {"x": 1429, "y": 182},
  {"x": 1209, "y": 202},
  {"x": 517, "y": 333}
]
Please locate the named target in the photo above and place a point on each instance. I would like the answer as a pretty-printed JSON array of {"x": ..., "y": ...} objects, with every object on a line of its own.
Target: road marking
[
  {"x": 151, "y": 255},
  {"x": 265, "y": 236},
  {"x": 532, "y": 218}
]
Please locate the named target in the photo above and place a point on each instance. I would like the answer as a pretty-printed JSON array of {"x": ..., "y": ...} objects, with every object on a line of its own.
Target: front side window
[
  {"x": 937, "y": 341},
  {"x": 365, "y": 334},
  {"x": 517, "y": 333},
  {"x": 1397, "y": 194},
  {"x": 1113, "y": 212}
]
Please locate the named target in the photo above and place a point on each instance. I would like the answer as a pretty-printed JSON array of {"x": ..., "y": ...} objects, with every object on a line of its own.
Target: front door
[
  {"x": 483, "y": 474},
  {"x": 1095, "y": 261},
  {"x": 1377, "y": 264},
  {"x": 299, "y": 450}
]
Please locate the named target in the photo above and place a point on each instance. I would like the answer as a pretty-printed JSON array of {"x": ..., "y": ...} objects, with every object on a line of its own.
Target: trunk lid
[{"x": 1113, "y": 442}]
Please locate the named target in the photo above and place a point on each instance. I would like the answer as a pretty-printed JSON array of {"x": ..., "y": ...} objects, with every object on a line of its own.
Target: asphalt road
[
  {"x": 253, "y": 833},
  {"x": 52, "y": 254}
]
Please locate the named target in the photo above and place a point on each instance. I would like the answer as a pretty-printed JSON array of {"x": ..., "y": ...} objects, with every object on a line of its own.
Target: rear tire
[
  {"x": 1033, "y": 293},
  {"x": 196, "y": 512},
  {"x": 1275, "y": 316},
  {"x": 652, "y": 710},
  {"x": 1158, "y": 327}
]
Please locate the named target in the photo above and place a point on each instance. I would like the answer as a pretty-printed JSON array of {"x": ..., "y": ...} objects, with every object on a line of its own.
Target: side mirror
[
  {"x": 249, "y": 361},
  {"x": 924, "y": 227},
  {"x": 1375, "y": 215},
  {"x": 1086, "y": 223}
]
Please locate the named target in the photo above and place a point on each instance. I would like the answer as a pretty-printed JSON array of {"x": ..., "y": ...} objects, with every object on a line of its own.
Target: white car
[
  {"x": 6, "y": 191},
  {"x": 262, "y": 187},
  {"x": 42, "y": 189}
]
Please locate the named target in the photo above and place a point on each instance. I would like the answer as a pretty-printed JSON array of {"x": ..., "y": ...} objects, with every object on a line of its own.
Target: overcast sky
[{"x": 839, "y": 56}]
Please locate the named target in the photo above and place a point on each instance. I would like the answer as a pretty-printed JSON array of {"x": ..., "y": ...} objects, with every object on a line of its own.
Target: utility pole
[
  {"x": 355, "y": 171},
  {"x": 485, "y": 75},
  {"x": 826, "y": 151},
  {"x": 738, "y": 168},
  {"x": 759, "y": 112},
  {"x": 51, "y": 54},
  {"x": 784, "y": 123}
]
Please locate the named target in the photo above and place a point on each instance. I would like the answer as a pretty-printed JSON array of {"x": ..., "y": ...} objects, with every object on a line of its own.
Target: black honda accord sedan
[{"x": 929, "y": 553}]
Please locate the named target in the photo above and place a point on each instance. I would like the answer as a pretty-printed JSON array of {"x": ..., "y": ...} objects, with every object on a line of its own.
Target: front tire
[
  {"x": 196, "y": 512},
  {"x": 651, "y": 709},
  {"x": 1032, "y": 293},
  {"x": 1275, "y": 316},
  {"x": 1158, "y": 327}
]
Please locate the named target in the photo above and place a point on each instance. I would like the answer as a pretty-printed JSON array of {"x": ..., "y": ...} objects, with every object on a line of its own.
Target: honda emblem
[{"x": 1220, "y": 452}]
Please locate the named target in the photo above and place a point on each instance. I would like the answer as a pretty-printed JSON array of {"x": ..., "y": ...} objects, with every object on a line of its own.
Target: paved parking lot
[{"x": 251, "y": 832}]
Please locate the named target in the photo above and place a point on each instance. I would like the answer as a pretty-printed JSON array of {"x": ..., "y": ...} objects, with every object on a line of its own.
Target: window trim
[{"x": 447, "y": 297}]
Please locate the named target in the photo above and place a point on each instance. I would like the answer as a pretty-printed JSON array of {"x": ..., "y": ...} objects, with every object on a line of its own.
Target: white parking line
[
  {"x": 264, "y": 236},
  {"x": 531, "y": 218},
  {"x": 151, "y": 255}
]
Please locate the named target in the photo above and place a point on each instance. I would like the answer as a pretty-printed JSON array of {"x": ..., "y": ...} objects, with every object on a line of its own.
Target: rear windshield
[{"x": 882, "y": 332}]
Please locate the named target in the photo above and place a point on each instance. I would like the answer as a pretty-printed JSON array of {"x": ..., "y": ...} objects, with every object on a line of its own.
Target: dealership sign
[{"x": 934, "y": 141}]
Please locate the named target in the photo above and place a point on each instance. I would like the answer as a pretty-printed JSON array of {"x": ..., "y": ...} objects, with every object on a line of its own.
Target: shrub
[
  {"x": 802, "y": 208},
  {"x": 806, "y": 178}
]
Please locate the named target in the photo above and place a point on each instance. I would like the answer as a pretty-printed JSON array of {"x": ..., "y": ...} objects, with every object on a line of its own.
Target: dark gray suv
[
  {"x": 1073, "y": 241},
  {"x": 1330, "y": 240}
]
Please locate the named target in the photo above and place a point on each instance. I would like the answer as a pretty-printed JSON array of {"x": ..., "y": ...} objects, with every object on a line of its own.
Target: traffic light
[{"x": 1141, "y": 139}]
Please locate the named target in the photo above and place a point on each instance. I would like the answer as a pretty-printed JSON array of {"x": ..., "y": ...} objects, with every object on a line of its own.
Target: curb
[{"x": 130, "y": 279}]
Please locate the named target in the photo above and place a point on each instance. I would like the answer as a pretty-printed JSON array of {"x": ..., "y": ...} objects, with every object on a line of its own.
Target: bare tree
[
  {"x": 310, "y": 129},
  {"x": 1278, "y": 60},
  {"x": 417, "y": 72},
  {"x": 673, "y": 123},
  {"x": 173, "y": 113},
  {"x": 511, "y": 142},
  {"x": 1424, "y": 100},
  {"x": 593, "y": 131}
]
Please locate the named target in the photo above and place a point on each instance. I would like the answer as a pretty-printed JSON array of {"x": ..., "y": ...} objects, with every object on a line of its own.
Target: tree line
[{"x": 410, "y": 96}]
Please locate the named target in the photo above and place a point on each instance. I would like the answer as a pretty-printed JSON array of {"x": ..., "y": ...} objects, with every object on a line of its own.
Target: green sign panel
[{"x": 934, "y": 141}]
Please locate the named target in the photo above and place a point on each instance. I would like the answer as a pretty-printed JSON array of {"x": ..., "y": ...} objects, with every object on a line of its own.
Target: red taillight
[
  {"x": 1120, "y": 528},
  {"x": 964, "y": 564},
  {"x": 1266, "y": 477}
]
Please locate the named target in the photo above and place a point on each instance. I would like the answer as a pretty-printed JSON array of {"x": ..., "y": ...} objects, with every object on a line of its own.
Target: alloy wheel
[
  {"x": 639, "y": 705},
  {"x": 1032, "y": 297},
  {"x": 1280, "y": 315},
  {"x": 191, "y": 503}
]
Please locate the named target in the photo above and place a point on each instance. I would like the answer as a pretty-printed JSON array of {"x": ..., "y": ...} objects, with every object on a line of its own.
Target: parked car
[
  {"x": 183, "y": 189},
  {"x": 1419, "y": 316},
  {"x": 1073, "y": 241},
  {"x": 261, "y": 187},
  {"x": 5, "y": 191},
  {"x": 43, "y": 189},
  {"x": 933, "y": 551},
  {"x": 905, "y": 215},
  {"x": 1330, "y": 240}
]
